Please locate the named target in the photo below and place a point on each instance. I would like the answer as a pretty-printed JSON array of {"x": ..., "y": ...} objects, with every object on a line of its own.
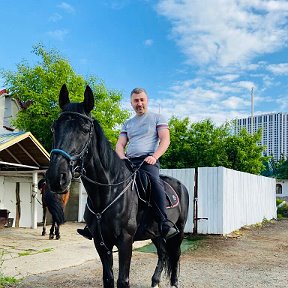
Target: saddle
[{"x": 144, "y": 189}]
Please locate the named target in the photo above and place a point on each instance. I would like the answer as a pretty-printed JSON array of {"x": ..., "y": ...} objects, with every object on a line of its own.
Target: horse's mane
[{"x": 107, "y": 155}]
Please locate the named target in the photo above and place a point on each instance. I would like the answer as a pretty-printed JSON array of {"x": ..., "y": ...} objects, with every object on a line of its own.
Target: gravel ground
[{"x": 252, "y": 257}]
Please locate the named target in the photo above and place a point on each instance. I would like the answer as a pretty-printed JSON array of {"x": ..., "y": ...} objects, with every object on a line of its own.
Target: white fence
[{"x": 226, "y": 199}]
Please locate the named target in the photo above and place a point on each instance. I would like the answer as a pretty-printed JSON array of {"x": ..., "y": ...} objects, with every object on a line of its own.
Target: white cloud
[
  {"x": 148, "y": 42},
  {"x": 283, "y": 103},
  {"x": 58, "y": 34},
  {"x": 200, "y": 98},
  {"x": 245, "y": 84},
  {"x": 278, "y": 69},
  {"x": 227, "y": 77},
  {"x": 234, "y": 102},
  {"x": 226, "y": 32},
  {"x": 117, "y": 4},
  {"x": 55, "y": 17},
  {"x": 67, "y": 8}
]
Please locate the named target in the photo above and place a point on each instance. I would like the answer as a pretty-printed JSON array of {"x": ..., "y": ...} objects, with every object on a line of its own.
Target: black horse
[
  {"x": 55, "y": 204},
  {"x": 115, "y": 214}
]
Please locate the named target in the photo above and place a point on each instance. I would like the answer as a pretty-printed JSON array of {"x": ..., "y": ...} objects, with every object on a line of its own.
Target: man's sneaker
[
  {"x": 167, "y": 231},
  {"x": 85, "y": 233}
]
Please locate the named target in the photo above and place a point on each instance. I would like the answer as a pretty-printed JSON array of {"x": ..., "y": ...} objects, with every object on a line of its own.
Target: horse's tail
[
  {"x": 173, "y": 245},
  {"x": 55, "y": 206},
  {"x": 173, "y": 251}
]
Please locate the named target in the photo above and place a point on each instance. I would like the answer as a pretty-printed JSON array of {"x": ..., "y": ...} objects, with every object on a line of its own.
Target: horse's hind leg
[
  {"x": 44, "y": 221},
  {"x": 57, "y": 231},
  {"x": 158, "y": 242}
]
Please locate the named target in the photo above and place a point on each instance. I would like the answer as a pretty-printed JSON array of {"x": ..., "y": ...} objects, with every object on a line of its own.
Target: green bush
[{"x": 282, "y": 211}]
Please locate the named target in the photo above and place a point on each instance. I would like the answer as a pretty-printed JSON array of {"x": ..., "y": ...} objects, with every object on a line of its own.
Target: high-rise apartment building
[{"x": 274, "y": 132}]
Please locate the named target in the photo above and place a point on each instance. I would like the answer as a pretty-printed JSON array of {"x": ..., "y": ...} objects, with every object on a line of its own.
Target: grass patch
[
  {"x": 27, "y": 252},
  {"x": 45, "y": 250},
  {"x": 262, "y": 224},
  {"x": 33, "y": 252},
  {"x": 188, "y": 243},
  {"x": 6, "y": 281}
]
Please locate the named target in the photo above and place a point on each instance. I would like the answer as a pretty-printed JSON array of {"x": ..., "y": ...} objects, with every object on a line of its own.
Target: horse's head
[{"x": 72, "y": 133}]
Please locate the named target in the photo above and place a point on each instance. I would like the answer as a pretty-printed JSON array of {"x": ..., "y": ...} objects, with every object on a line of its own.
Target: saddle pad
[
  {"x": 172, "y": 199},
  {"x": 143, "y": 188}
]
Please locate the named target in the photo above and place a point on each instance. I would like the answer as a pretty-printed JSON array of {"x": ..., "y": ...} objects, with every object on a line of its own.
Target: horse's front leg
[
  {"x": 158, "y": 242},
  {"x": 107, "y": 264},
  {"x": 125, "y": 254}
]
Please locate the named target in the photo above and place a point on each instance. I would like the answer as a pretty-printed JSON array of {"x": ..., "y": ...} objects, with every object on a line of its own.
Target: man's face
[{"x": 139, "y": 103}]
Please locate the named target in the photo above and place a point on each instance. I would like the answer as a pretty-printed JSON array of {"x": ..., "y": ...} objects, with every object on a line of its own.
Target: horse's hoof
[
  {"x": 57, "y": 237},
  {"x": 51, "y": 237},
  {"x": 43, "y": 233}
]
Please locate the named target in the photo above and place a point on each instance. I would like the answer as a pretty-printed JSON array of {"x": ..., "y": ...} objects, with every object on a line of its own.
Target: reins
[
  {"x": 80, "y": 169},
  {"x": 114, "y": 184},
  {"x": 80, "y": 156},
  {"x": 109, "y": 205}
]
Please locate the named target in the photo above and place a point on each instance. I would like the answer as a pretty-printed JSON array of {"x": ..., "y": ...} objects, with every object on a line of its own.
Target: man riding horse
[{"x": 146, "y": 137}]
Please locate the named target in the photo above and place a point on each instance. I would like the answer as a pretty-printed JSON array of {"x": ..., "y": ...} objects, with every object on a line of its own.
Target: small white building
[
  {"x": 282, "y": 188},
  {"x": 22, "y": 161}
]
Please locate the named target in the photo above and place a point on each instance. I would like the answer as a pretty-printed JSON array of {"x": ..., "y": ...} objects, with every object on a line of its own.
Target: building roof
[{"x": 21, "y": 151}]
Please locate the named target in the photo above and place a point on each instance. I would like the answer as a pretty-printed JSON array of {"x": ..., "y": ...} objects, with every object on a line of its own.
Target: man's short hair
[{"x": 138, "y": 91}]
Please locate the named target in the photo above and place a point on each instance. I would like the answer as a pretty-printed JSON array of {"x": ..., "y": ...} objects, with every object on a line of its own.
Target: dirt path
[{"x": 254, "y": 257}]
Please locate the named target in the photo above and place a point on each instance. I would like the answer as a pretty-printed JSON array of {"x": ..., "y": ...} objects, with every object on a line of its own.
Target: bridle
[
  {"x": 79, "y": 171},
  {"x": 76, "y": 162}
]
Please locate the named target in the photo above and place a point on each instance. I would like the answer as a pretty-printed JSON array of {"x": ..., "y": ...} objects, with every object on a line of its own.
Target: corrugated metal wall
[
  {"x": 247, "y": 198},
  {"x": 227, "y": 199}
]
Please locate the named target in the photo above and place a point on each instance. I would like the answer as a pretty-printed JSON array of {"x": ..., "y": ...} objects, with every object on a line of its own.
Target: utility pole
[{"x": 252, "y": 111}]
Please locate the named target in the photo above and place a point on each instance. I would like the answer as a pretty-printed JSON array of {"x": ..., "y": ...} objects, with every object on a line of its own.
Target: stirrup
[{"x": 168, "y": 231}]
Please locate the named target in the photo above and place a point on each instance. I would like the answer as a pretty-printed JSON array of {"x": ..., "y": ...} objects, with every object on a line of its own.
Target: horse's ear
[
  {"x": 88, "y": 99},
  {"x": 63, "y": 96}
]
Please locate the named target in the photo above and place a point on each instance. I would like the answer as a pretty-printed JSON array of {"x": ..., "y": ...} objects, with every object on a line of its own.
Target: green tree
[
  {"x": 270, "y": 167},
  {"x": 203, "y": 144},
  {"x": 243, "y": 152},
  {"x": 177, "y": 154},
  {"x": 194, "y": 145},
  {"x": 282, "y": 172},
  {"x": 276, "y": 169},
  {"x": 39, "y": 86}
]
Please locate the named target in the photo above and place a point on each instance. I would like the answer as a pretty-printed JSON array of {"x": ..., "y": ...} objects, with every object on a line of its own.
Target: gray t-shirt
[{"x": 142, "y": 133}]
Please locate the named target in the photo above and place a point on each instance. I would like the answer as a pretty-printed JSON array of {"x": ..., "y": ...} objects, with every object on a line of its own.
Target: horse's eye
[
  {"x": 85, "y": 128},
  {"x": 53, "y": 127}
]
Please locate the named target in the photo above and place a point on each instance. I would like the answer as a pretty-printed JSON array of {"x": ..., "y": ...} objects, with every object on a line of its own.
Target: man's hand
[{"x": 150, "y": 160}]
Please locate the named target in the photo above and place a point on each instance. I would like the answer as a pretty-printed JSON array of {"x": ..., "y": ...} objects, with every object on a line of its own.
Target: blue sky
[{"x": 197, "y": 58}]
